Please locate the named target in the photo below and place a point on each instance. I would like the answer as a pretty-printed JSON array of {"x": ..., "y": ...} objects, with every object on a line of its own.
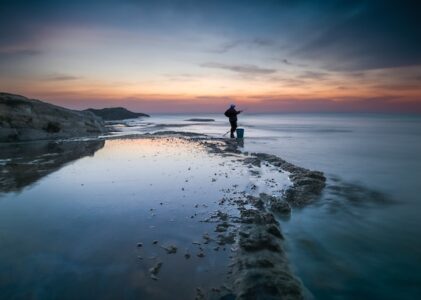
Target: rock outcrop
[
  {"x": 115, "y": 113},
  {"x": 23, "y": 119}
]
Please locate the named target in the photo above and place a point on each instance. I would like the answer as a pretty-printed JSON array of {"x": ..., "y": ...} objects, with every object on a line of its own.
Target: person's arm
[{"x": 238, "y": 112}]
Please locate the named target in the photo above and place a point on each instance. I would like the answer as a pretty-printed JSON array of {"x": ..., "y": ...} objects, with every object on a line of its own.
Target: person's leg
[{"x": 233, "y": 128}]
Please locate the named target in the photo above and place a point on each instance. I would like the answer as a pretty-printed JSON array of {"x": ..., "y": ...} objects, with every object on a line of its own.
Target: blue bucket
[{"x": 240, "y": 133}]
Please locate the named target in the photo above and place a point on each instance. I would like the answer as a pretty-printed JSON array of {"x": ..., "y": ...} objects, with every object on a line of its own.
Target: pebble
[
  {"x": 170, "y": 249},
  {"x": 155, "y": 270}
]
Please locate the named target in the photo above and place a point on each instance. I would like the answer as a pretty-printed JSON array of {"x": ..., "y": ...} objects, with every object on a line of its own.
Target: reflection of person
[{"x": 231, "y": 113}]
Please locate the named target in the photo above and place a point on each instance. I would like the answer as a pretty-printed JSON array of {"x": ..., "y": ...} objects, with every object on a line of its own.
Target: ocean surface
[
  {"x": 361, "y": 240},
  {"x": 90, "y": 203}
]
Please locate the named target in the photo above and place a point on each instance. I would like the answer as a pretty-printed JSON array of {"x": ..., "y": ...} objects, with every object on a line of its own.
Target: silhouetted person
[{"x": 231, "y": 113}]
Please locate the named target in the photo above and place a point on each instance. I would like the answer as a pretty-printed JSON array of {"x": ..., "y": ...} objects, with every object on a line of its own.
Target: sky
[{"x": 201, "y": 56}]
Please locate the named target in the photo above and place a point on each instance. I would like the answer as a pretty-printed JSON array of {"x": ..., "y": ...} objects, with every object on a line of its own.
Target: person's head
[{"x": 232, "y": 106}]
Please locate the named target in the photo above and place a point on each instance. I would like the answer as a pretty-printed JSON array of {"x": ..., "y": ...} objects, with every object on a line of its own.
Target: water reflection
[
  {"x": 23, "y": 164},
  {"x": 75, "y": 234}
]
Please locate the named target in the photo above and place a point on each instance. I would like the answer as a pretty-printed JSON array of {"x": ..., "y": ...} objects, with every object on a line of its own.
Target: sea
[{"x": 362, "y": 238}]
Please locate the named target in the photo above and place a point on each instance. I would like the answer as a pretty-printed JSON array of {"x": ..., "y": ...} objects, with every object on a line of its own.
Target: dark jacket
[{"x": 231, "y": 113}]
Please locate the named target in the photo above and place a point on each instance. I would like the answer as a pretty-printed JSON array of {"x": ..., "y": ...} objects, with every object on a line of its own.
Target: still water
[
  {"x": 361, "y": 240},
  {"x": 72, "y": 216}
]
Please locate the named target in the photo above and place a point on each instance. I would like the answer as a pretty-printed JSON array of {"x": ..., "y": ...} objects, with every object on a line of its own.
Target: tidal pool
[{"x": 89, "y": 219}]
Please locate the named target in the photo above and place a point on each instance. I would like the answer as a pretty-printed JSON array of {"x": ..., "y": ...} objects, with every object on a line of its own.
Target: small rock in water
[
  {"x": 155, "y": 242},
  {"x": 187, "y": 255},
  {"x": 155, "y": 270},
  {"x": 139, "y": 244},
  {"x": 200, "y": 254},
  {"x": 170, "y": 249},
  {"x": 207, "y": 238},
  {"x": 199, "y": 294}
]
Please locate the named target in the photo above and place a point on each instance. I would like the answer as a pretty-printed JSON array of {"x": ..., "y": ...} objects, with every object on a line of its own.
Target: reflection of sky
[
  {"x": 191, "y": 56},
  {"x": 75, "y": 231}
]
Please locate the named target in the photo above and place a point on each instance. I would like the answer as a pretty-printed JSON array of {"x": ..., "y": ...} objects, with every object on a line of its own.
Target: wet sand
[{"x": 150, "y": 217}]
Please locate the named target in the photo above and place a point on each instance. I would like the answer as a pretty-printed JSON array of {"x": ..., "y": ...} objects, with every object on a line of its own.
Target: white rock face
[{"x": 23, "y": 119}]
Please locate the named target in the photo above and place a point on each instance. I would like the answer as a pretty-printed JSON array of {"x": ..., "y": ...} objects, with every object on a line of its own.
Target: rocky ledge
[
  {"x": 115, "y": 113},
  {"x": 23, "y": 119}
]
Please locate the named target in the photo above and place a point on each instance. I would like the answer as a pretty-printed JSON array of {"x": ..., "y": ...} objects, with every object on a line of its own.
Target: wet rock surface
[
  {"x": 23, "y": 119},
  {"x": 259, "y": 267},
  {"x": 307, "y": 184}
]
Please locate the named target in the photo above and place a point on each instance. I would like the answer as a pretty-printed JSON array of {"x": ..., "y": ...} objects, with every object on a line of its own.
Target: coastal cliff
[{"x": 23, "y": 119}]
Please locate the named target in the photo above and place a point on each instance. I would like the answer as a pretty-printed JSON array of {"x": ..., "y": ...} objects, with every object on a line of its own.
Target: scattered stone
[
  {"x": 199, "y": 294},
  {"x": 170, "y": 249},
  {"x": 139, "y": 244},
  {"x": 153, "y": 272},
  {"x": 155, "y": 242},
  {"x": 207, "y": 238}
]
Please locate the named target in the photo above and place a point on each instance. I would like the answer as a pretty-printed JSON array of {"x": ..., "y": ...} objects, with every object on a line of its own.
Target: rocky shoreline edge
[{"x": 259, "y": 267}]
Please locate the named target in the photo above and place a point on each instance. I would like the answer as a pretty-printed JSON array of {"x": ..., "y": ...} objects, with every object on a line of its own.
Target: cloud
[
  {"x": 289, "y": 63},
  {"x": 225, "y": 47},
  {"x": 371, "y": 35},
  {"x": 11, "y": 53},
  {"x": 255, "y": 104},
  {"x": 256, "y": 42},
  {"x": 263, "y": 42},
  {"x": 241, "y": 69},
  {"x": 314, "y": 75},
  {"x": 385, "y": 104},
  {"x": 63, "y": 77},
  {"x": 285, "y": 61}
]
